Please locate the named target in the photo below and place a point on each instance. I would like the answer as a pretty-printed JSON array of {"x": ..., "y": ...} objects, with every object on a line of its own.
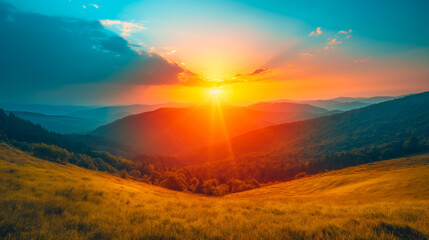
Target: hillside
[
  {"x": 388, "y": 179},
  {"x": 375, "y": 124},
  {"x": 177, "y": 130},
  {"x": 25, "y": 135},
  {"x": 277, "y": 153},
  {"x": 61, "y": 124},
  {"x": 45, "y": 200}
]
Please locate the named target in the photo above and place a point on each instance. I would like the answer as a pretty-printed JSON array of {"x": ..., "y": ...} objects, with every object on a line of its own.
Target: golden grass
[{"x": 44, "y": 200}]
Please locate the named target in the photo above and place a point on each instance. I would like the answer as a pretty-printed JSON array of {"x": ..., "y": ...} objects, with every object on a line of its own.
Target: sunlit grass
[{"x": 45, "y": 200}]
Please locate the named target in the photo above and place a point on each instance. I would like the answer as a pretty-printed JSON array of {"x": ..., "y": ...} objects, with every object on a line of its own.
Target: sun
[{"x": 215, "y": 92}]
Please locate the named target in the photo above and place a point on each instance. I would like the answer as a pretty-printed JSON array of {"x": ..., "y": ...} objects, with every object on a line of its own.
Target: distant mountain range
[
  {"x": 43, "y": 108},
  {"x": 288, "y": 107},
  {"x": 343, "y": 103},
  {"x": 338, "y": 106},
  {"x": 366, "y": 100},
  {"x": 70, "y": 119},
  {"x": 83, "y": 119},
  {"x": 111, "y": 113},
  {"x": 176, "y": 130},
  {"x": 61, "y": 124}
]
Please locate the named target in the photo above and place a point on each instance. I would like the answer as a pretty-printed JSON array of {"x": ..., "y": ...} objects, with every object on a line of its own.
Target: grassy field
[{"x": 45, "y": 200}]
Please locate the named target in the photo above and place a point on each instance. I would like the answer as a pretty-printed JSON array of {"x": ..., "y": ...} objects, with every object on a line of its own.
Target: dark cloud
[
  {"x": 255, "y": 72},
  {"x": 39, "y": 53},
  {"x": 259, "y": 71}
]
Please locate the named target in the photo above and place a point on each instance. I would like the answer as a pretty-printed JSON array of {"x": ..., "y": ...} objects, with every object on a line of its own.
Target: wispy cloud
[
  {"x": 363, "y": 60},
  {"x": 306, "y": 56},
  {"x": 346, "y": 33},
  {"x": 316, "y": 33},
  {"x": 163, "y": 51},
  {"x": 337, "y": 39},
  {"x": 126, "y": 28},
  {"x": 94, "y": 5},
  {"x": 331, "y": 44}
]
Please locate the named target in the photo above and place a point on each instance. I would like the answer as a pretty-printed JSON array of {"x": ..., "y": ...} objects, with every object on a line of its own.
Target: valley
[{"x": 383, "y": 200}]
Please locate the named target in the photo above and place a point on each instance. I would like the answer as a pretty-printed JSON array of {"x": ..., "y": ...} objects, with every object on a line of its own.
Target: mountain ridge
[{"x": 177, "y": 130}]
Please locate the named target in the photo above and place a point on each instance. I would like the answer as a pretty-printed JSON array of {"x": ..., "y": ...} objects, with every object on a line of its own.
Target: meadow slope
[{"x": 45, "y": 200}]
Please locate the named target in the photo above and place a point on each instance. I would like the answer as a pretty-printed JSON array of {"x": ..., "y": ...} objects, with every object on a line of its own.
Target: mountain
[
  {"x": 349, "y": 103},
  {"x": 43, "y": 108},
  {"x": 371, "y": 100},
  {"x": 45, "y": 200},
  {"x": 94, "y": 116},
  {"x": 177, "y": 130},
  {"x": 61, "y": 124},
  {"x": 332, "y": 105},
  {"x": 343, "y": 103},
  {"x": 277, "y": 153},
  {"x": 287, "y": 107},
  {"x": 111, "y": 113}
]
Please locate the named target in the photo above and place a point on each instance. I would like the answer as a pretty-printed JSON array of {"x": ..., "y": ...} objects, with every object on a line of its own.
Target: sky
[{"x": 108, "y": 52}]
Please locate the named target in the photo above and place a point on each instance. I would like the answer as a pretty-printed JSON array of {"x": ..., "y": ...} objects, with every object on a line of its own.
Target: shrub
[
  {"x": 135, "y": 173},
  {"x": 83, "y": 160},
  {"x": 124, "y": 174},
  {"x": 51, "y": 153},
  {"x": 300, "y": 175}
]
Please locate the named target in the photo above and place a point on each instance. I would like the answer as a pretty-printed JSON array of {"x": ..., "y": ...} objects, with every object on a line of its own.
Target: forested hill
[
  {"x": 380, "y": 131},
  {"x": 85, "y": 151}
]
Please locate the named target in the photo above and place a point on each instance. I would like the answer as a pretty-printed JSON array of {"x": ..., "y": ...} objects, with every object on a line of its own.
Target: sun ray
[{"x": 217, "y": 106}]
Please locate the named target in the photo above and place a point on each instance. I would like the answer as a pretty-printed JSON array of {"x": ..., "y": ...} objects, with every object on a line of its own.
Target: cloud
[
  {"x": 94, "y": 5},
  {"x": 334, "y": 42},
  {"x": 163, "y": 51},
  {"x": 306, "y": 56},
  {"x": 338, "y": 38},
  {"x": 257, "y": 71},
  {"x": 316, "y": 33},
  {"x": 126, "y": 28},
  {"x": 189, "y": 78},
  {"x": 42, "y": 52},
  {"x": 342, "y": 33},
  {"x": 331, "y": 44},
  {"x": 153, "y": 69},
  {"x": 364, "y": 60}
]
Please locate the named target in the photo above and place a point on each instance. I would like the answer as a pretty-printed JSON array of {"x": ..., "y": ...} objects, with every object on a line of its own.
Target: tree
[{"x": 174, "y": 181}]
